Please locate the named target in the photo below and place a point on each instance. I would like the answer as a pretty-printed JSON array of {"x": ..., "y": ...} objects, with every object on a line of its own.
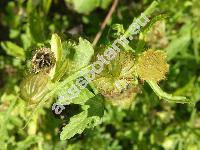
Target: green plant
[
  {"x": 151, "y": 67},
  {"x": 119, "y": 109}
]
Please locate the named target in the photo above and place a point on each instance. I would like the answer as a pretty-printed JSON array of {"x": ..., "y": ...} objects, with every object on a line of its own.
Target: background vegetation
[{"x": 149, "y": 123}]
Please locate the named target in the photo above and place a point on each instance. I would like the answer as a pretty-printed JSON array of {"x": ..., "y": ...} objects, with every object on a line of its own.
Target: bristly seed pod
[
  {"x": 118, "y": 83},
  {"x": 152, "y": 65},
  {"x": 43, "y": 60}
]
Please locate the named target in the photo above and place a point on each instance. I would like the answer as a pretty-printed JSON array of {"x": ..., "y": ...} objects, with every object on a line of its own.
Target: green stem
[
  {"x": 147, "y": 12},
  {"x": 168, "y": 97}
]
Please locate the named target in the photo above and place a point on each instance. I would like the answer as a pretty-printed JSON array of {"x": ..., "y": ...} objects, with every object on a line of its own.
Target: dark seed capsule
[{"x": 43, "y": 60}]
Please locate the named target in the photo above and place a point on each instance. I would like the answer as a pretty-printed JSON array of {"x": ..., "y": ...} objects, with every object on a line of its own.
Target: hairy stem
[{"x": 163, "y": 95}]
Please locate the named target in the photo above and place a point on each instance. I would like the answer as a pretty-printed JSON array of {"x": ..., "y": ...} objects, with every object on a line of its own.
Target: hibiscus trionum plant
[{"x": 56, "y": 69}]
